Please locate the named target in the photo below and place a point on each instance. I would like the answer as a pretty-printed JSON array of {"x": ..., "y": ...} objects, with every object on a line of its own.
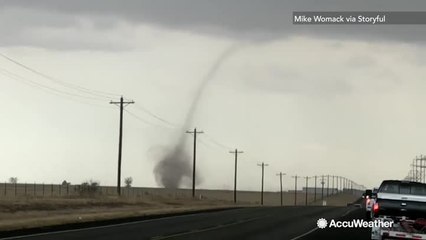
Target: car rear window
[
  {"x": 390, "y": 187},
  {"x": 403, "y": 188},
  {"x": 418, "y": 190}
]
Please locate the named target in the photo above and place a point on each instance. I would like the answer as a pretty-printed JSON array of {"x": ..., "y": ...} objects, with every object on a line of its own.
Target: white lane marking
[
  {"x": 306, "y": 233},
  {"x": 207, "y": 229},
  {"x": 100, "y": 227}
]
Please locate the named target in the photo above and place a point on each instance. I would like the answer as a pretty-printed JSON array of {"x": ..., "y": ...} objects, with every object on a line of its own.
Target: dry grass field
[{"x": 32, "y": 212}]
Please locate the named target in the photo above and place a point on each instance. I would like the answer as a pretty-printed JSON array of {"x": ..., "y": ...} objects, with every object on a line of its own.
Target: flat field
[{"x": 21, "y": 212}]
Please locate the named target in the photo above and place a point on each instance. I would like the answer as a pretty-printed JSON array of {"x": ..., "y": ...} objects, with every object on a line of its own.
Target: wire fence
[
  {"x": 64, "y": 190},
  {"x": 34, "y": 190}
]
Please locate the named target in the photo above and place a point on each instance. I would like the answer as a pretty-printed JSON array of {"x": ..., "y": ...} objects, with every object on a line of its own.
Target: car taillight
[{"x": 376, "y": 208}]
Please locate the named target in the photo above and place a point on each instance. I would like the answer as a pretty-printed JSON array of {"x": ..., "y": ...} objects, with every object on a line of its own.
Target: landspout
[{"x": 176, "y": 165}]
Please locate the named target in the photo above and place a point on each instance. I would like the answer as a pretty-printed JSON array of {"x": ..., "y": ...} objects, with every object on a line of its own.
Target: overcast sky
[{"x": 307, "y": 100}]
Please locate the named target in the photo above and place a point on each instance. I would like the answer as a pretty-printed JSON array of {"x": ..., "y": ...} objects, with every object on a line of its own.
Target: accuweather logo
[
  {"x": 322, "y": 223},
  {"x": 356, "y": 223}
]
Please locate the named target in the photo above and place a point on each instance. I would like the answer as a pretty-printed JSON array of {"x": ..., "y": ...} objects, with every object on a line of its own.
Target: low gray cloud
[
  {"x": 292, "y": 82},
  {"x": 241, "y": 19}
]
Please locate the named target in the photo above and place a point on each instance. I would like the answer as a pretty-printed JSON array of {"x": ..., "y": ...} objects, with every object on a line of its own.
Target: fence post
[
  {"x": 68, "y": 189},
  {"x": 5, "y": 188},
  {"x": 15, "y": 189},
  {"x": 51, "y": 190},
  {"x": 25, "y": 189},
  {"x": 43, "y": 189}
]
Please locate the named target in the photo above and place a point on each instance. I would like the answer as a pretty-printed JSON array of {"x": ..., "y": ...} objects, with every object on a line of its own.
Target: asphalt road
[{"x": 245, "y": 223}]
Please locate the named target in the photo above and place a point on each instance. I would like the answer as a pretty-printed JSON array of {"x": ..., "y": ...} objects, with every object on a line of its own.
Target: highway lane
[{"x": 243, "y": 223}]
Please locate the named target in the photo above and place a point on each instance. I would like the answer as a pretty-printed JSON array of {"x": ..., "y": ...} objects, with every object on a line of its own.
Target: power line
[
  {"x": 213, "y": 142},
  {"x": 57, "y": 92},
  {"x": 207, "y": 145},
  {"x": 20, "y": 78},
  {"x": 96, "y": 95},
  {"x": 211, "y": 139},
  {"x": 208, "y": 137},
  {"x": 155, "y": 116},
  {"x": 144, "y": 120},
  {"x": 92, "y": 92},
  {"x": 210, "y": 144}
]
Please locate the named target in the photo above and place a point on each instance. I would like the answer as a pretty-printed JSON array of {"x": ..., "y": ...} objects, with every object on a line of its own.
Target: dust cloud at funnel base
[{"x": 173, "y": 168}]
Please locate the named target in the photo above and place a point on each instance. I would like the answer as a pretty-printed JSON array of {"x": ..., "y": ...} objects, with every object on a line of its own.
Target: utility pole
[
  {"x": 315, "y": 190},
  {"x": 344, "y": 183},
  {"x": 306, "y": 194},
  {"x": 337, "y": 184},
  {"x": 347, "y": 183},
  {"x": 421, "y": 169},
  {"x": 194, "y": 158},
  {"x": 322, "y": 187},
  {"x": 422, "y": 162},
  {"x": 295, "y": 189},
  {"x": 281, "y": 186},
  {"x": 263, "y": 173},
  {"x": 122, "y": 104},
  {"x": 328, "y": 184},
  {"x": 417, "y": 169},
  {"x": 332, "y": 185},
  {"x": 235, "y": 174}
]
